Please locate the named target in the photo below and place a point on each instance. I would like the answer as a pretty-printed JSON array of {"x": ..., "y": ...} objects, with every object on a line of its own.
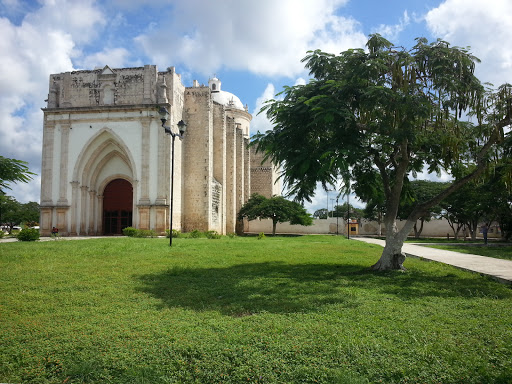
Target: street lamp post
[
  {"x": 182, "y": 127},
  {"x": 337, "y": 214},
  {"x": 348, "y": 214}
]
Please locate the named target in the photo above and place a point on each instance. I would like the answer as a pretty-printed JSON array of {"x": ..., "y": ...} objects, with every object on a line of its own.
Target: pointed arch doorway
[{"x": 117, "y": 206}]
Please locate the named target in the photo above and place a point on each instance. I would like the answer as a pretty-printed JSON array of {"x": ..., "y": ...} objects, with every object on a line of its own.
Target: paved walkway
[{"x": 498, "y": 269}]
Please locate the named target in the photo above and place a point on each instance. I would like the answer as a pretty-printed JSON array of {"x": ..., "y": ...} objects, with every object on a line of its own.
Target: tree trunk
[
  {"x": 392, "y": 257},
  {"x": 417, "y": 232},
  {"x": 274, "y": 225},
  {"x": 473, "y": 228}
]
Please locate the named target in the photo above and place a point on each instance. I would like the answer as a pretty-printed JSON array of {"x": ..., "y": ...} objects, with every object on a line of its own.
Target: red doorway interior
[{"x": 117, "y": 206}]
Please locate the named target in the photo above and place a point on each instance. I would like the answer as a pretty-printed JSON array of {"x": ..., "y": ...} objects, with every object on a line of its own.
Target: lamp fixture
[{"x": 182, "y": 127}]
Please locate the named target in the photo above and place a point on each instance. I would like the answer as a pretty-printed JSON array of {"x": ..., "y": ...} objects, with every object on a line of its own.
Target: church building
[{"x": 106, "y": 160}]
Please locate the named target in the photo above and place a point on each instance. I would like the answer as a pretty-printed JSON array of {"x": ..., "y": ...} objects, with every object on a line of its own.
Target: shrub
[
  {"x": 195, "y": 234},
  {"x": 2, "y": 234},
  {"x": 28, "y": 234},
  {"x": 213, "y": 235},
  {"x": 134, "y": 232},
  {"x": 175, "y": 233},
  {"x": 231, "y": 235},
  {"x": 130, "y": 231},
  {"x": 261, "y": 236}
]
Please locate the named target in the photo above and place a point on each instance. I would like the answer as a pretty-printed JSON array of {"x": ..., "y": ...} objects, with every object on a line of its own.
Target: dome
[
  {"x": 222, "y": 97},
  {"x": 228, "y": 99}
]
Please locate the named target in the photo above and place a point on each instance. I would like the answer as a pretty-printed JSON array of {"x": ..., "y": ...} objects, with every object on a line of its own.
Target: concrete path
[{"x": 498, "y": 269}]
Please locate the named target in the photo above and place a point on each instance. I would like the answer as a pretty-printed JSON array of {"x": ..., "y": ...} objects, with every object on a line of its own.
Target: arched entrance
[{"x": 117, "y": 206}]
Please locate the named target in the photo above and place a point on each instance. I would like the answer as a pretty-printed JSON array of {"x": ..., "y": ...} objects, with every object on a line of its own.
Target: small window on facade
[{"x": 214, "y": 86}]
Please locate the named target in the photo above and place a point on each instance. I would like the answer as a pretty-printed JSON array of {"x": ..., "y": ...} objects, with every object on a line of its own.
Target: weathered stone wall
[
  {"x": 219, "y": 167},
  {"x": 198, "y": 161},
  {"x": 264, "y": 177}
]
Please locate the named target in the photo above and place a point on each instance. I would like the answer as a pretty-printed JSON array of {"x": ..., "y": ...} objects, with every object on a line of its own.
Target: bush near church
[{"x": 28, "y": 234}]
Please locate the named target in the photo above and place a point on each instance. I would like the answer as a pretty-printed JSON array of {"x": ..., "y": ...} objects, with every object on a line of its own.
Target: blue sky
[{"x": 253, "y": 46}]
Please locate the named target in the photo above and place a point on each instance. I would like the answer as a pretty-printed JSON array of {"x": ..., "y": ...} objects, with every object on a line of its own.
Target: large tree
[
  {"x": 12, "y": 171},
  {"x": 377, "y": 116},
  {"x": 277, "y": 208}
]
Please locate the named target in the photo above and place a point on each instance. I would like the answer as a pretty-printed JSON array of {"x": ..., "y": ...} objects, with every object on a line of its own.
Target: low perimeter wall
[{"x": 433, "y": 228}]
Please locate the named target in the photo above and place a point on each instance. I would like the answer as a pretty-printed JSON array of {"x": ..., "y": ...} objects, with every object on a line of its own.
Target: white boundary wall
[{"x": 433, "y": 228}]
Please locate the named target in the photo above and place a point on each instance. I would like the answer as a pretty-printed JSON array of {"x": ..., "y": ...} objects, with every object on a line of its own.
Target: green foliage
[
  {"x": 277, "y": 208},
  {"x": 130, "y": 231},
  {"x": 134, "y": 232},
  {"x": 13, "y": 213},
  {"x": 261, "y": 236},
  {"x": 496, "y": 251},
  {"x": 28, "y": 234},
  {"x": 378, "y": 117},
  {"x": 471, "y": 204},
  {"x": 343, "y": 210},
  {"x": 321, "y": 213},
  {"x": 176, "y": 233},
  {"x": 284, "y": 310},
  {"x": 418, "y": 192},
  {"x": 2, "y": 234},
  {"x": 231, "y": 235},
  {"x": 212, "y": 235},
  {"x": 12, "y": 171},
  {"x": 195, "y": 234}
]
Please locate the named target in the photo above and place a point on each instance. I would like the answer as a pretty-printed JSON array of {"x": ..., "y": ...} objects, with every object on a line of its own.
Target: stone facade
[{"x": 103, "y": 125}]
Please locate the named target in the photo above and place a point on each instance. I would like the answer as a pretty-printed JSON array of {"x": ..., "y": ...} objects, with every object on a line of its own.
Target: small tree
[
  {"x": 419, "y": 192},
  {"x": 277, "y": 208},
  {"x": 13, "y": 212},
  {"x": 9, "y": 211},
  {"x": 29, "y": 213},
  {"x": 469, "y": 206},
  {"x": 320, "y": 213},
  {"x": 343, "y": 210}
]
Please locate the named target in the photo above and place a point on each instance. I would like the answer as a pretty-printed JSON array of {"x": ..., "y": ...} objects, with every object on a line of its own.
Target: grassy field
[
  {"x": 278, "y": 310},
  {"x": 441, "y": 240},
  {"x": 491, "y": 250}
]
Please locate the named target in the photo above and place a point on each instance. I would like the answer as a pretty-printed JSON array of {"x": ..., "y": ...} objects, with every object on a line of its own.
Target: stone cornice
[{"x": 106, "y": 108}]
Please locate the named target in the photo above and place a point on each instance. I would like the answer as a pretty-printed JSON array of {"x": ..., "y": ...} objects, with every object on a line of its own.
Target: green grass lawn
[
  {"x": 491, "y": 250},
  {"x": 278, "y": 310},
  {"x": 441, "y": 240}
]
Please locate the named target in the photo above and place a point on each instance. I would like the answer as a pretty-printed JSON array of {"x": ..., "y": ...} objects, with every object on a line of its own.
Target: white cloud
[
  {"x": 265, "y": 37},
  {"x": 300, "y": 81},
  {"x": 81, "y": 19},
  {"x": 260, "y": 122},
  {"x": 43, "y": 42},
  {"x": 114, "y": 58},
  {"x": 485, "y": 26},
  {"x": 391, "y": 32}
]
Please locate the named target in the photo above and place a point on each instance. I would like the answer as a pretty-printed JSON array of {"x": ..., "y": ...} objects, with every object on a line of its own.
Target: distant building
[{"x": 106, "y": 158}]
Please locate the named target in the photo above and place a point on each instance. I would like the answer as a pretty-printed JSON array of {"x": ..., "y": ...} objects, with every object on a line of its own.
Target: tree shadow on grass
[{"x": 275, "y": 287}]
